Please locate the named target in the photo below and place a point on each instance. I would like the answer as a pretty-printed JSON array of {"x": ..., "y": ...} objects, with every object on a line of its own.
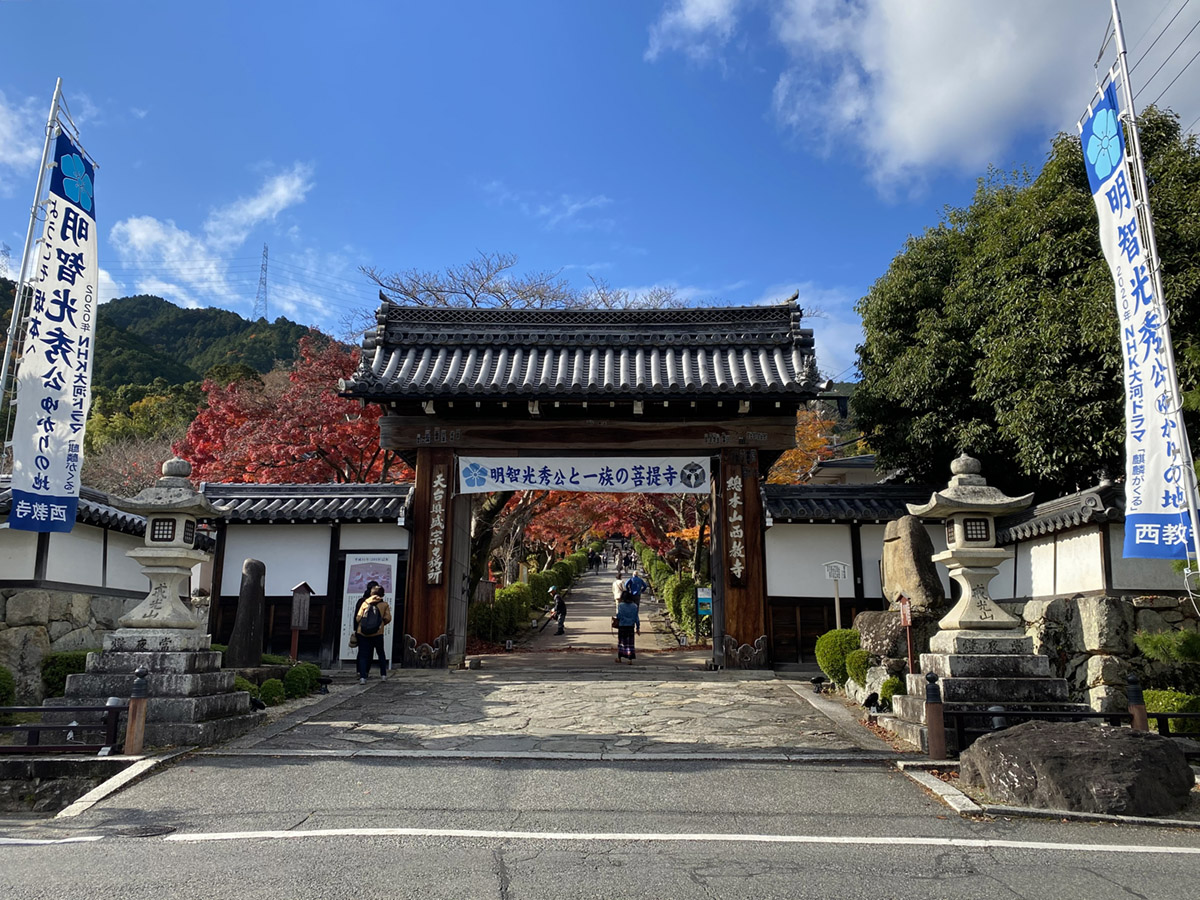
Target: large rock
[
  {"x": 1106, "y": 623},
  {"x": 1080, "y": 767},
  {"x": 908, "y": 566},
  {"x": 21, "y": 651},
  {"x": 881, "y": 634},
  {"x": 245, "y": 643}
]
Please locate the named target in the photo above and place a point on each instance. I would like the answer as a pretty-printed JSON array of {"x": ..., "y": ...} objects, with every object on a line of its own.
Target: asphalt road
[{"x": 253, "y": 827}]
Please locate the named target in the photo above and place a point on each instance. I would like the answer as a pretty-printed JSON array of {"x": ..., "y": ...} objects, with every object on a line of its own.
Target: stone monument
[
  {"x": 191, "y": 700},
  {"x": 980, "y": 653}
]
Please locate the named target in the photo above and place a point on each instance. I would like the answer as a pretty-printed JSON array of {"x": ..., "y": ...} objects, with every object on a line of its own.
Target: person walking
[
  {"x": 369, "y": 622},
  {"x": 618, "y": 588},
  {"x": 560, "y": 608},
  {"x": 628, "y": 622},
  {"x": 636, "y": 586}
]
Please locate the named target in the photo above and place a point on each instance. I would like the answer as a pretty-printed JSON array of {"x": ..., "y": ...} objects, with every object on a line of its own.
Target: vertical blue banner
[{"x": 54, "y": 382}]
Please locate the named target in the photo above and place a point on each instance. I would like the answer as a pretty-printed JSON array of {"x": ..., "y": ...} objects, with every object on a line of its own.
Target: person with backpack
[
  {"x": 372, "y": 617},
  {"x": 635, "y": 586}
]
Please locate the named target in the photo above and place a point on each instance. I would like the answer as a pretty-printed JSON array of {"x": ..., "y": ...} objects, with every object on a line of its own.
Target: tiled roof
[
  {"x": 1105, "y": 503},
  {"x": 422, "y": 353},
  {"x": 93, "y": 509},
  {"x": 308, "y": 502},
  {"x": 841, "y": 502}
]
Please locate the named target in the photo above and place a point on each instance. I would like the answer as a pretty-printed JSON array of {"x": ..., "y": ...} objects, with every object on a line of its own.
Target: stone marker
[
  {"x": 245, "y": 644},
  {"x": 908, "y": 566},
  {"x": 1080, "y": 767}
]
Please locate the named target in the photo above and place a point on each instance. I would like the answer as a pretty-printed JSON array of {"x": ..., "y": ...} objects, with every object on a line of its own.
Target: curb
[
  {"x": 844, "y": 722},
  {"x": 947, "y": 793},
  {"x": 815, "y": 758},
  {"x": 142, "y": 766}
]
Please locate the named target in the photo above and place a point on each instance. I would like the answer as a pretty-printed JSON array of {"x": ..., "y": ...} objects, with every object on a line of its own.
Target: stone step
[
  {"x": 911, "y": 732},
  {"x": 996, "y": 690},
  {"x": 1015, "y": 665},
  {"x": 975, "y": 642},
  {"x": 213, "y": 731},
  {"x": 92, "y": 684},
  {"x": 181, "y": 663}
]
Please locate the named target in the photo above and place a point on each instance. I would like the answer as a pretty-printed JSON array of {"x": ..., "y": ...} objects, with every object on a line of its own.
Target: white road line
[
  {"x": 31, "y": 842},
  {"x": 865, "y": 840}
]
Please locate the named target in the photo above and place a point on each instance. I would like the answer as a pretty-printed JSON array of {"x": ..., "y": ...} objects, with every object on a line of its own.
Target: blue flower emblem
[
  {"x": 474, "y": 475},
  {"x": 1104, "y": 146},
  {"x": 76, "y": 183}
]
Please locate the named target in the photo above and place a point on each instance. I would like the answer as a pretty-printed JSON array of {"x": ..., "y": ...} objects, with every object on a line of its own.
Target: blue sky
[{"x": 736, "y": 150}]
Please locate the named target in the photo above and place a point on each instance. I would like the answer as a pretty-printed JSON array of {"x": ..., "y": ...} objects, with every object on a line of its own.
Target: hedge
[
  {"x": 857, "y": 663},
  {"x": 503, "y": 617},
  {"x": 242, "y": 684},
  {"x": 891, "y": 687},
  {"x": 272, "y": 692},
  {"x": 679, "y": 592},
  {"x": 579, "y": 561},
  {"x": 832, "y": 648},
  {"x": 8, "y": 692},
  {"x": 295, "y": 683},
  {"x": 57, "y": 666},
  {"x": 539, "y": 588},
  {"x": 1174, "y": 701}
]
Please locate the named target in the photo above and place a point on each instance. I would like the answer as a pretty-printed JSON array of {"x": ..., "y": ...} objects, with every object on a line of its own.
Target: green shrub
[
  {"x": 272, "y": 692},
  {"x": 1174, "y": 701},
  {"x": 578, "y": 561},
  {"x": 242, "y": 684},
  {"x": 679, "y": 592},
  {"x": 8, "y": 693},
  {"x": 312, "y": 673},
  {"x": 832, "y": 648},
  {"x": 564, "y": 573},
  {"x": 57, "y": 666},
  {"x": 504, "y": 616},
  {"x": 295, "y": 683},
  {"x": 892, "y": 687},
  {"x": 539, "y": 589},
  {"x": 1169, "y": 646},
  {"x": 857, "y": 663},
  {"x": 274, "y": 659}
]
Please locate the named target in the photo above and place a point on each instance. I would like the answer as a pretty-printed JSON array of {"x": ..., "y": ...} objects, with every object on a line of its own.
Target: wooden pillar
[
  {"x": 743, "y": 567},
  {"x": 429, "y": 553}
]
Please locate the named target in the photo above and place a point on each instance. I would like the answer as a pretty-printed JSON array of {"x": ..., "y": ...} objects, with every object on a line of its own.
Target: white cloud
[
  {"x": 940, "y": 84},
  {"x": 698, "y": 28},
  {"x": 229, "y": 226},
  {"x": 139, "y": 113},
  {"x": 566, "y": 212},
  {"x": 829, "y": 312},
  {"x": 109, "y": 287},
  {"x": 22, "y": 136},
  {"x": 185, "y": 268}
]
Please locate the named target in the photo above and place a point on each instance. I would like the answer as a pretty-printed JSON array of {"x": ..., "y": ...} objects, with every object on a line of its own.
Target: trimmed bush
[
  {"x": 1174, "y": 701},
  {"x": 679, "y": 592},
  {"x": 242, "y": 684},
  {"x": 57, "y": 666},
  {"x": 564, "y": 573},
  {"x": 857, "y": 663},
  {"x": 295, "y": 683},
  {"x": 1169, "y": 646},
  {"x": 312, "y": 672},
  {"x": 539, "y": 588},
  {"x": 892, "y": 687},
  {"x": 832, "y": 648},
  {"x": 272, "y": 692},
  {"x": 579, "y": 561}
]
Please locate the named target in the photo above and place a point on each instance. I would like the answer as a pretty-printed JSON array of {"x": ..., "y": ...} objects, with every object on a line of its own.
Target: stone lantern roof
[
  {"x": 968, "y": 491},
  {"x": 172, "y": 493}
]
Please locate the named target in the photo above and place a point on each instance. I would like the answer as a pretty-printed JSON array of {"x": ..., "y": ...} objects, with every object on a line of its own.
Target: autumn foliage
[
  {"x": 814, "y": 430},
  {"x": 291, "y": 427}
]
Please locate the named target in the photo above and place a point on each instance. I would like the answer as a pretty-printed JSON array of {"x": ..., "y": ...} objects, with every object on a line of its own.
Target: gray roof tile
[{"x": 308, "y": 502}]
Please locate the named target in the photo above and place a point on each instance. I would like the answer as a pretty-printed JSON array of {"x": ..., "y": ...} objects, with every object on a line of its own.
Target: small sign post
[
  {"x": 301, "y": 597},
  {"x": 836, "y": 571},
  {"x": 906, "y": 621}
]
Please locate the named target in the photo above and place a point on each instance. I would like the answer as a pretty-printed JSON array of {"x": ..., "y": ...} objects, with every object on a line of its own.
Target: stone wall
[
  {"x": 1089, "y": 640},
  {"x": 34, "y": 622}
]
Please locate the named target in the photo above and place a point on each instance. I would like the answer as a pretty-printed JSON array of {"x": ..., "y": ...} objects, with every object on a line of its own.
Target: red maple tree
[{"x": 291, "y": 427}]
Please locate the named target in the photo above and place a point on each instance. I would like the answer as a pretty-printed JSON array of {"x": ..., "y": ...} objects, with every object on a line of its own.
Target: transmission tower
[
  {"x": 260, "y": 300},
  {"x": 5, "y": 259}
]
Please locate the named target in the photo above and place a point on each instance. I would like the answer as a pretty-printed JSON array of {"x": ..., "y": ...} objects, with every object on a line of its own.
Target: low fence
[{"x": 106, "y": 721}]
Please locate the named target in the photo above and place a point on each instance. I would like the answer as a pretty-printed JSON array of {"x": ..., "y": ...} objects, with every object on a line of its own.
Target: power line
[
  {"x": 1176, "y": 78},
  {"x": 1133, "y": 68},
  {"x": 1167, "y": 60}
]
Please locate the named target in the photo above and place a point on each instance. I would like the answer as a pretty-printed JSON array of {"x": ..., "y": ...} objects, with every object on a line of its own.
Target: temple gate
[{"x": 721, "y": 382}]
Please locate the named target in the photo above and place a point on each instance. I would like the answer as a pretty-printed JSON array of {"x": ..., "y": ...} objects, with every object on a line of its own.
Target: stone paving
[{"x": 574, "y": 701}]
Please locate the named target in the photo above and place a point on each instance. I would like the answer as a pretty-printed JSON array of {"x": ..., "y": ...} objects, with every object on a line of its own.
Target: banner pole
[
  {"x": 21, "y": 295},
  {"x": 1147, "y": 222}
]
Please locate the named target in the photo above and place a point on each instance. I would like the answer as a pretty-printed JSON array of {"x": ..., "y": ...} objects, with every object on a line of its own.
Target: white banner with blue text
[
  {"x": 609, "y": 475},
  {"x": 1156, "y": 511},
  {"x": 54, "y": 382}
]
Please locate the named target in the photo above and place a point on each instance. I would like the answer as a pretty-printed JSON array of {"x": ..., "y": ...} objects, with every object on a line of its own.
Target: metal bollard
[
  {"x": 135, "y": 725},
  {"x": 935, "y": 722},
  {"x": 1137, "y": 703}
]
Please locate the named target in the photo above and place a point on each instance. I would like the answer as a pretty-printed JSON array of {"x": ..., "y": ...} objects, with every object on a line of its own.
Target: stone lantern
[
  {"x": 970, "y": 508},
  {"x": 162, "y": 622}
]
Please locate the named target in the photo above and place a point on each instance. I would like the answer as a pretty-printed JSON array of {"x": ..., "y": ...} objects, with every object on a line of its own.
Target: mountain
[{"x": 141, "y": 338}]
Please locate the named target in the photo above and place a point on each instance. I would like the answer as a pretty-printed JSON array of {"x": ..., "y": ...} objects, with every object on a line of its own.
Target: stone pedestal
[
  {"x": 977, "y": 670},
  {"x": 191, "y": 700}
]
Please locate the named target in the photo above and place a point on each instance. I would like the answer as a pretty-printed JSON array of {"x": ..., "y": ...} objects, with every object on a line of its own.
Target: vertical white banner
[
  {"x": 54, "y": 381},
  {"x": 1156, "y": 509},
  {"x": 361, "y": 570}
]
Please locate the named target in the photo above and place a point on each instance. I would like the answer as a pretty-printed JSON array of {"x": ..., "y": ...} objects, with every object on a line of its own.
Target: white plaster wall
[
  {"x": 291, "y": 553},
  {"x": 374, "y": 536},
  {"x": 1041, "y": 562},
  {"x": 76, "y": 556},
  {"x": 123, "y": 572},
  {"x": 795, "y": 554},
  {"x": 1001, "y": 587},
  {"x": 18, "y": 553},
  {"x": 872, "y": 554},
  {"x": 937, "y": 534},
  {"x": 1024, "y": 564},
  {"x": 1140, "y": 574},
  {"x": 1079, "y": 561}
]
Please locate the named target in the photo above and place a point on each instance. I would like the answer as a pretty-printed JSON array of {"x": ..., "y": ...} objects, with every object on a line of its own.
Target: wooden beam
[{"x": 402, "y": 433}]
